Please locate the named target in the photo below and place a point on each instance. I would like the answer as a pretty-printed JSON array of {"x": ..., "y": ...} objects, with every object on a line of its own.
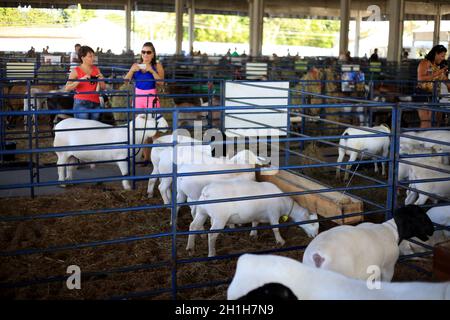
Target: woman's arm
[
  {"x": 159, "y": 73},
  {"x": 422, "y": 72},
  {"x": 101, "y": 84},
  {"x": 132, "y": 70},
  {"x": 71, "y": 85}
]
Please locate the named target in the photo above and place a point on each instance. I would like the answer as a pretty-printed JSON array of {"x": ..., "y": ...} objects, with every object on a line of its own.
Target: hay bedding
[{"x": 81, "y": 229}]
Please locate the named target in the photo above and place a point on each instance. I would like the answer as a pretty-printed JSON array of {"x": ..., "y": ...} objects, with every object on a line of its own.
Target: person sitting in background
[
  {"x": 74, "y": 55},
  {"x": 405, "y": 56},
  {"x": 374, "y": 56},
  {"x": 31, "y": 53}
]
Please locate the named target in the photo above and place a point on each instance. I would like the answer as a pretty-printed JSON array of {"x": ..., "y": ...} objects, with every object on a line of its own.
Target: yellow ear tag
[{"x": 284, "y": 218}]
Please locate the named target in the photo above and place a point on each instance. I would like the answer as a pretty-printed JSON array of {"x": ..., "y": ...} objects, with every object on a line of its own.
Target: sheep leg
[
  {"x": 254, "y": 233},
  {"x": 383, "y": 164},
  {"x": 276, "y": 231},
  {"x": 62, "y": 160},
  {"x": 123, "y": 166},
  {"x": 212, "y": 237},
  {"x": 421, "y": 199},
  {"x": 410, "y": 196},
  {"x": 387, "y": 273},
  {"x": 339, "y": 159},
  {"x": 375, "y": 164},
  {"x": 70, "y": 168},
  {"x": 165, "y": 190},
  {"x": 151, "y": 182},
  {"x": 353, "y": 156},
  {"x": 197, "y": 224}
]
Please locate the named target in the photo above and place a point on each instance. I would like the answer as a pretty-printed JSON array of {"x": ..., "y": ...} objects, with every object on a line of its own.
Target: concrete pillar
[
  {"x": 345, "y": 21},
  {"x": 178, "y": 25},
  {"x": 396, "y": 9},
  {"x": 260, "y": 26},
  {"x": 357, "y": 32},
  {"x": 128, "y": 25},
  {"x": 256, "y": 15},
  {"x": 437, "y": 25},
  {"x": 191, "y": 11},
  {"x": 250, "y": 26}
]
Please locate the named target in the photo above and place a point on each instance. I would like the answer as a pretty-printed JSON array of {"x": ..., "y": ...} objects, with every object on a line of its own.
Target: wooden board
[
  {"x": 441, "y": 261},
  {"x": 327, "y": 204}
]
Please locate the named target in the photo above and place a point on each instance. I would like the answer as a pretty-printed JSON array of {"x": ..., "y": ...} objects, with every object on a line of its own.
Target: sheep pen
[
  {"x": 98, "y": 262},
  {"x": 103, "y": 285}
]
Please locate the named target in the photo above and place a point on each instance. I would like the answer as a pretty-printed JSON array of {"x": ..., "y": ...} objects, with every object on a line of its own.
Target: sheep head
[{"x": 412, "y": 221}]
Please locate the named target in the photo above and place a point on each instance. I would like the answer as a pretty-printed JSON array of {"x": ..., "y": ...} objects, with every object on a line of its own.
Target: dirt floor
[
  {"x": 107, "y": 258},
  {"x": 83, "y": 229}
]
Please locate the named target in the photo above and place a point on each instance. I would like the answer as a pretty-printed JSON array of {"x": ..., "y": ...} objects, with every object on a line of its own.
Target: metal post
[
  {"x": 357, "y": 32},
  {"x": 128, "y": 25},
  {"x": 191, "y": 11},
  {"x": 256, "y": 14},
  {"x": 393, "y": 161},
  {"x": 30, "y": 141},
  {"x": 437, "y": 25},
  {"x": 287, "y": 145},
  {"x": 396, "y": 13},
  {"x": 174, "y": 204},
  {"x": 2, "y": 127},
  {"x": 222, "y": 103},
  {"x": 179, "y": 25},
  {"x": 345, "y": 20}
]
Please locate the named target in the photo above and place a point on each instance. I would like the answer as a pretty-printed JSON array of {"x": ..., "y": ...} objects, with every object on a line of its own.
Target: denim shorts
[{"x": 79, "y": 105}]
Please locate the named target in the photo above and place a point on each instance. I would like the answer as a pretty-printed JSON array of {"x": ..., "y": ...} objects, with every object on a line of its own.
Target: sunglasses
[{"x": 146, "y": 52}]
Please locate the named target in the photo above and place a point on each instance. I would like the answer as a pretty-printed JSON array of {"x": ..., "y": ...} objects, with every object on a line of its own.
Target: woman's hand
[
  {"x": 134, "y": 67},
  {"x": 148, "y": 68}
]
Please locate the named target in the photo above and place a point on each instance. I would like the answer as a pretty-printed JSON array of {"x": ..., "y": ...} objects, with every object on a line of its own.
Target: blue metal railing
[{"x": 291, "y": 137}]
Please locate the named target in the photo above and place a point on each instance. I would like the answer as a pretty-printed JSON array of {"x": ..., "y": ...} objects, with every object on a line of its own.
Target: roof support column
[
  {"x": 191, "y": 11},
  {"x": 357, "y": 32},
  {"x": 256, "y": 14},
  {"x": 128, "y": 26},
  {"x": 179, "y": 25},
  {"x": 345, "y": 21},
  {"x": 437, "y": 25},
  {"x": 396, "y": 9}
]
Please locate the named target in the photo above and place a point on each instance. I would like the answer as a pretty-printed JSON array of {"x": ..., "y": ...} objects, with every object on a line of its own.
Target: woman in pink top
[
  {"x": 144, "y": 75},
  {"x": 86, "y": 97}
]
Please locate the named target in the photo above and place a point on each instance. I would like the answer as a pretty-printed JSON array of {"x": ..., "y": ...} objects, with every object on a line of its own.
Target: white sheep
[
  {"x": 105, "y": 134},
  {"x": 439, "y": 188},
  {"x": 403, "y": 168},
  {"x": 162, "y": 157},
  {"x": 265, "y": 276},
  {"x": 439, "y": 215},
  {"x": 189, "y": 188},
  {"x": 350, "y": 250},
  {"x": 34, "y": 103},
  {"x": 266, "y": 210},
  {"x": 437, "y": 135},
  {"x": 376, "y": 146}
]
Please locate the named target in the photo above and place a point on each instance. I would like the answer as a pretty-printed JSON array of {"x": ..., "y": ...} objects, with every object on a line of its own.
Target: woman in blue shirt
[{"x": 144, "y": 75}]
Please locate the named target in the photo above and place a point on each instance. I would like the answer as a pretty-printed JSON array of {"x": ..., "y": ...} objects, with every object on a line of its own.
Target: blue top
[{"x": 141, "y": 75}]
